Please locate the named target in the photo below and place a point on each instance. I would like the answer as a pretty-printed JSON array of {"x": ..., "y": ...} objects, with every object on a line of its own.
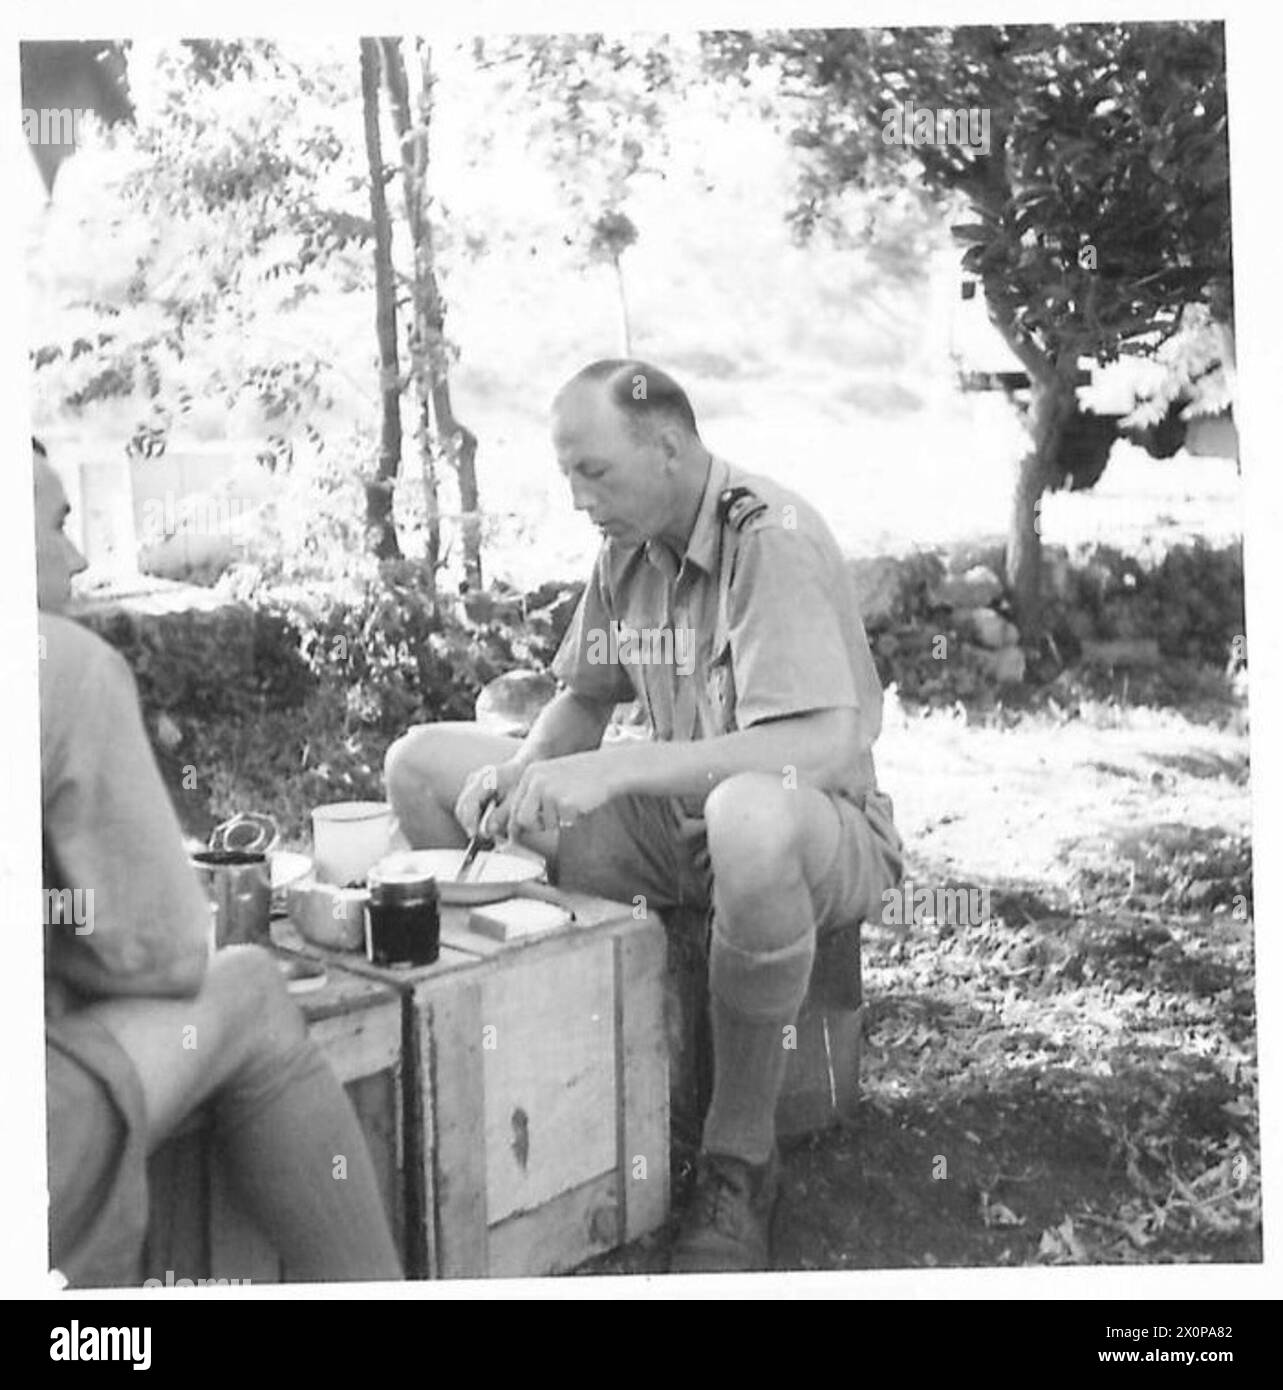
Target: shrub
[
  {"x": 402, "y": 654},
  {"x": 234, "y": 660}
]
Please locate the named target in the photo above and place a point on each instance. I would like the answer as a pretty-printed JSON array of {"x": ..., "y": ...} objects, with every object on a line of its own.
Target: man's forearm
[
  {"x": 567, "y": 724},
  {"x": 817, "y": 747}
]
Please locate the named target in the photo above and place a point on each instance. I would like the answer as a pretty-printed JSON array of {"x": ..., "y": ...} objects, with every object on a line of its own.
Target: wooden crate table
[
  {"x": 536, "y": 1093},
  {"x": 197, "y": 1230}
]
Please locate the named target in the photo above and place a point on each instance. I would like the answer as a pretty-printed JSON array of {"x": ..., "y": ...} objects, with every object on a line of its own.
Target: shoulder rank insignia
[{"x": 737, "y": 506}]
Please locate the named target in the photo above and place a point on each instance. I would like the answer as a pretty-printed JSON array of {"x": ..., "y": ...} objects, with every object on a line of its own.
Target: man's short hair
[{"x": 644, "y": 393}]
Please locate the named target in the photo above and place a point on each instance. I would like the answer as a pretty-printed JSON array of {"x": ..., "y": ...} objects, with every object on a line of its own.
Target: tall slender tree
[
  {"x": 379, "y": 490},
  {"x": 441, "y": 435}
]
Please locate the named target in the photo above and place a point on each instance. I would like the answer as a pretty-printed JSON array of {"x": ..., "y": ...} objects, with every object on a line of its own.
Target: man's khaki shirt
[{"x": 706, "y": 653}]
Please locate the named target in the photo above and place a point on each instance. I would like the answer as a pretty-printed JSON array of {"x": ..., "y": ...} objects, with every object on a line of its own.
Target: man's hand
[
  {"x": 499, "y": 778},
  {"x": 553, "y": 794}
]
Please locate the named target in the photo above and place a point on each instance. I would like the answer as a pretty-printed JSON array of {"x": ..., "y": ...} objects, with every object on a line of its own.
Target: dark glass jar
[{"x": 404, "y": 919}]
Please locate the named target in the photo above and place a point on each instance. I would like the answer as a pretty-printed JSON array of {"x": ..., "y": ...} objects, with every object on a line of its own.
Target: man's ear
[{"x": 672, "y": 444}]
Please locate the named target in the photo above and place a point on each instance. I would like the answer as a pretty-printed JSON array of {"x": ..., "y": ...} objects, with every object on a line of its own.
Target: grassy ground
[{"x": 1073, "y": 1081}]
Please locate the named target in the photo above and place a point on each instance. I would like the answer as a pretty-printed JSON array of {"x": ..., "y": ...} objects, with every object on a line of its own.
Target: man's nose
[{"x": 78, "y": 563}]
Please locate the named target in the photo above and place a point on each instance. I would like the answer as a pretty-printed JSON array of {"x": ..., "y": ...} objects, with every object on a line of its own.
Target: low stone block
[
  {"x": 977, "y": 588},
  {"x": 1006, "y": 666},
  {"x": 986, "y": 627}
]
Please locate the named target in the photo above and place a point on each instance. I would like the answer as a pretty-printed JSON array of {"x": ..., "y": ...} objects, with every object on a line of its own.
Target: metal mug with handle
[{"x": 238, "y": 879}]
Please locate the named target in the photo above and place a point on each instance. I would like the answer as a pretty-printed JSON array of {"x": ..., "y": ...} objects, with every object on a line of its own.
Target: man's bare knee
[
  {"x": 247, "y": 995},
  {"x": 407, "y": 766},
  {"x": 753, "y": 823},
  {"x": 436, "y": 759}
]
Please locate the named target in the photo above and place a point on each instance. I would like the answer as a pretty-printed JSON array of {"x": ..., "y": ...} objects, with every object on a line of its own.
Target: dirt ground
[{"x": 1072, "y": 1080}]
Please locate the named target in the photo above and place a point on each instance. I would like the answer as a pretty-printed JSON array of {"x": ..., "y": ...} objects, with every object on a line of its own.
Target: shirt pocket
[{"x": 720, "y": 690}]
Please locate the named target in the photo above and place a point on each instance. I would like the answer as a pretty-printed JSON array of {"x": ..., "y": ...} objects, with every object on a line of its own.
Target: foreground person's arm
[{"x": 110, "y": 832}]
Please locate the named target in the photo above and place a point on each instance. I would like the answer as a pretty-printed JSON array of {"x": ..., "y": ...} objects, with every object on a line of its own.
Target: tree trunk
[
  {"x": 1053, "y": 401},
  {"x": 379, "y": 492},
  {"x": 431, "y": 490},
  {"x": 624, "y": 325},
  {"x": 1051, "y": 408},
  {"x": 428, "y": 346},
  {"x": 413, "y": 165}
]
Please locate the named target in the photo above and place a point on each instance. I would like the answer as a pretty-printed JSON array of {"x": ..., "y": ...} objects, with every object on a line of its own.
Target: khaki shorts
[
  {"x": 635, "y": 846},
  {"x": 97, "y": 1138}
]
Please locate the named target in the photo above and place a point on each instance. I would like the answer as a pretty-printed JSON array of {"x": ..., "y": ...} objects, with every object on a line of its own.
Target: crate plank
[
  {"x": 398, "y": 977},
  {"x": 418, "y": 1190},
  {"x": 515, "y": 1070},
  {"x": 559, "y": 1235},
  {"x": 360, "y": 1044},
  {"x": 343, "y": 992},
  {"x": 457, "y": 1149},
  {"x": 846, "y": 1049},
  {"x": 549, "y": 1075},
  {"x": 377, "y": 1102},
  {"x": 642, "y": 1058},
  {"x": 808, "y": 1100}
]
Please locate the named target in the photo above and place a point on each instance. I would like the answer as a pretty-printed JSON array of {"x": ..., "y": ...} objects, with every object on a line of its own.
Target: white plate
[
  {"x": 288, "y": 866},
  {"x": 489, "y": 867}
]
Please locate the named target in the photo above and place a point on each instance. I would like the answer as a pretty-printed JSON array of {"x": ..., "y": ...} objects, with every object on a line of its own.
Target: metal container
[{"x": 238, "y": 881}]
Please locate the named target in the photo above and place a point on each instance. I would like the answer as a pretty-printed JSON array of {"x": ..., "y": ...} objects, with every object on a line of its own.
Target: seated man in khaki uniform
[
  {"x": 143, "y": 1025},
  {"x": 721, "y": 602}
]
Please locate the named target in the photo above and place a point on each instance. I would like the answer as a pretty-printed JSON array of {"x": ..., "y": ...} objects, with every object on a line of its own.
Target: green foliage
[
  {"x": 1112, "y": 136},
  {"x": 240, "y": 167},
  {"x": 235, "y": 661},
  {"x": 596, "y": 112},
  {"x": 612, "y": 234},
  {"x": 1191, "y": 601},
  {"x": 402, "y": 655},
  {"x": 283, "y": 763},
  {"x": 293, "y": 698}
]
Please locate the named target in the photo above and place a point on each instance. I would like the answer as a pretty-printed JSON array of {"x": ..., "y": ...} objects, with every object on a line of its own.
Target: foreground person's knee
[{"x": 251, "y": 995}]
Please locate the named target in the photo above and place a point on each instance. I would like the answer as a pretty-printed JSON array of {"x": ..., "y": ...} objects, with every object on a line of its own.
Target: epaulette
[{"x": 737, "y": 506}]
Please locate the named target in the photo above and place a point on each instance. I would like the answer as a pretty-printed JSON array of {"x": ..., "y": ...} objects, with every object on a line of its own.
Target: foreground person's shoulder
[{"x": 70, "y": 652}]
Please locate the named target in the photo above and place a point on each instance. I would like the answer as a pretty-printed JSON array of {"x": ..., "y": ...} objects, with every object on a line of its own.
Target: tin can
[
  {"x": 237, "y": 879},
  {"x": 238, "y": 884}
]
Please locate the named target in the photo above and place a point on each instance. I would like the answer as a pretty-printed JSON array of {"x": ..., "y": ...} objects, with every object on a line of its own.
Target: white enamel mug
[{"x": 348, "y": 837}]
